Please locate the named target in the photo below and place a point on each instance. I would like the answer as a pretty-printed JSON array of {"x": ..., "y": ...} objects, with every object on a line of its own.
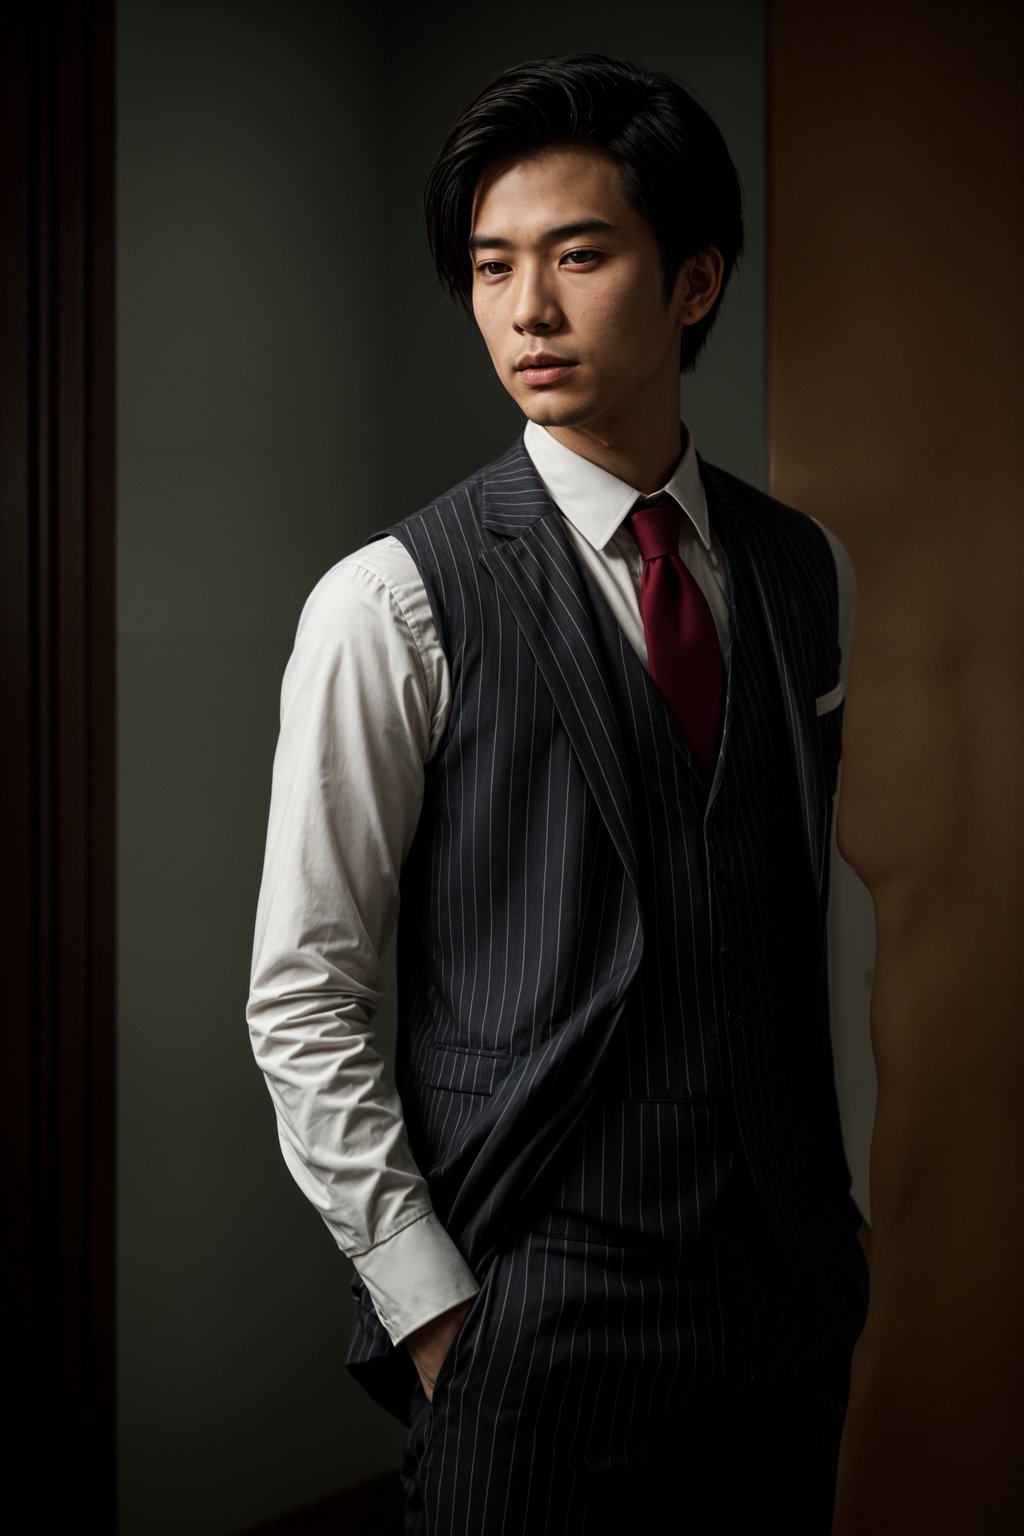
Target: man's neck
[{"x": 645, "y": 460}]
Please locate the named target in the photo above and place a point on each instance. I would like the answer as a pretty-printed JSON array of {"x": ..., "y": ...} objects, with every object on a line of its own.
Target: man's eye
[
  {"x": 485, "y": 268},
  {"x": 578, "y": 258}
]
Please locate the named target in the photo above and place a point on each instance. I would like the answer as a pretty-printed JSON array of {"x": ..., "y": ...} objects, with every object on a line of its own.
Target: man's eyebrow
[{"x": 560, "y": 232}]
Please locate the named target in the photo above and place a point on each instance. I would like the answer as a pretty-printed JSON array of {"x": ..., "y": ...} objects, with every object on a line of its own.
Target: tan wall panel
[{"x": 896, "y": 403}]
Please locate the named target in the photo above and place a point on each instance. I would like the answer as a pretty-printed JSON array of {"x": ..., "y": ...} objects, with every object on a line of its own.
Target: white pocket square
[{"x": 829, "y": 700}]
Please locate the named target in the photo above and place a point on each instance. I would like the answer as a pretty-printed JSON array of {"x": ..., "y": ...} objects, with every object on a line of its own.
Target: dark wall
[{"x": 290, "y": 377}]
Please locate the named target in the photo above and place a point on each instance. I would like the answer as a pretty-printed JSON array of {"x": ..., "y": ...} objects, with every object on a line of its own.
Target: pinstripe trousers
[
  {"x": 577, "y": 1395},
  {"x": 590, "y": 1384}
]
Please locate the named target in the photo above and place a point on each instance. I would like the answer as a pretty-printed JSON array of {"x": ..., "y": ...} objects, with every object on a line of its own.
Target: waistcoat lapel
[{"x": 534, "y": 568}]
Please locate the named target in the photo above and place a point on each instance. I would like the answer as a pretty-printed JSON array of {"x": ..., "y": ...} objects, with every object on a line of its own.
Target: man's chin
[{"x": 545, "y": 411}]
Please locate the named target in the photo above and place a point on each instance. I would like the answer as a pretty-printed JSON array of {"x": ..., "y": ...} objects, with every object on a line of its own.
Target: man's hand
[{"x": 429, "y": 1345}]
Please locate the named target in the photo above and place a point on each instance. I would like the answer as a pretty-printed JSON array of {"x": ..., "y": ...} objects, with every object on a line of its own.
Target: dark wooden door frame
[{"x": 57, "y": 597}]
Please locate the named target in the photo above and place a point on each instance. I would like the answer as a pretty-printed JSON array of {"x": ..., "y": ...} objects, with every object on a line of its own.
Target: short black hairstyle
[{"x": 673, "y": 164}]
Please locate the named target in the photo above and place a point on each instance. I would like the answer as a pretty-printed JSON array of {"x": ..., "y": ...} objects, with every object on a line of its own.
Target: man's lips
[{"x": 544, "y": 368}]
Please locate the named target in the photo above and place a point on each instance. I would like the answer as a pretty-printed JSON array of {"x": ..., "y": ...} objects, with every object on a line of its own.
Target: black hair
[{"x": 673, "y": 164}]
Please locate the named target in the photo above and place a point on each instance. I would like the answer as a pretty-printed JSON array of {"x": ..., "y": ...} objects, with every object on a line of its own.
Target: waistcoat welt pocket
[
  {"x": 461, "y": 1069},
  {"x": 669, "y": 1096}
]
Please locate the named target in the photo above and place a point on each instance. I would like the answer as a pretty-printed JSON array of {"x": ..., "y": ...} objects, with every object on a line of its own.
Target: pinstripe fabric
[{"x": 613, "y": 1050}]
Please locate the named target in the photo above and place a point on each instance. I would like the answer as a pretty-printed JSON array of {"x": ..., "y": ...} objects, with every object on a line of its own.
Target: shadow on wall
[{"x": 375, "y": 1506}]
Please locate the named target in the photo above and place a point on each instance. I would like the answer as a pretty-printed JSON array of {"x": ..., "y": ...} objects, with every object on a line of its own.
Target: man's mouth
[{"x": 544, "y": 368}]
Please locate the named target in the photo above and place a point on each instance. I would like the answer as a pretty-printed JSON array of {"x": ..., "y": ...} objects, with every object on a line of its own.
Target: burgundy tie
[{"x": 682, "y": 643}]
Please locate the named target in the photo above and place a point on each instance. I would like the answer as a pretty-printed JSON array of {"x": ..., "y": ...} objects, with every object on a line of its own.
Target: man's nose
[{"x": 535, "y": 307}]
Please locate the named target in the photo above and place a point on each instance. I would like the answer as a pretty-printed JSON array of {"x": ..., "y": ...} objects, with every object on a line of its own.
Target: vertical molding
[{"x": 57, "y": 766}]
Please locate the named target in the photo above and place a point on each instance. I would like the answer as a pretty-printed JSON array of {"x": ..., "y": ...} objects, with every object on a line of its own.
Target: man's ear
[{"x": 698, "y": 285}]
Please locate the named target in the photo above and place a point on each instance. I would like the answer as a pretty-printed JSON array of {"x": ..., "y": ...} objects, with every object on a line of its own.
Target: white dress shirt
[{"x": 364, "y": 701}]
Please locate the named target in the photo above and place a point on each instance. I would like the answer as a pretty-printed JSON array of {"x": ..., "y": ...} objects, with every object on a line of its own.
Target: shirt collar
[{"x": 596, "y": 502}]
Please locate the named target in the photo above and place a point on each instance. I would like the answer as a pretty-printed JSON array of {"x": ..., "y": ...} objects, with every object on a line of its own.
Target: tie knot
[{"x": 656, "y": 527}]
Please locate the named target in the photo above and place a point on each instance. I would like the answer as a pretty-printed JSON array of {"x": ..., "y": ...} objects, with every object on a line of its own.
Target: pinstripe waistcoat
[{"x": 594, "y": 947}]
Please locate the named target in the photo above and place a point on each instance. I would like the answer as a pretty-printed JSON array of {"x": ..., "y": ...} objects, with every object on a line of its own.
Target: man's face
[{"x": 590, "y": 298}]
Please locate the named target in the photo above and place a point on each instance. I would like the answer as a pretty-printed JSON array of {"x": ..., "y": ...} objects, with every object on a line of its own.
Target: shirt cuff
[{"x": 415, "y": 1276}]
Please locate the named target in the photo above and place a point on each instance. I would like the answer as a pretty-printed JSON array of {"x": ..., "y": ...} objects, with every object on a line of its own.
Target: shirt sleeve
[
  {"x": 363, "y": 701},
  {"x": 847, "y": 593}
]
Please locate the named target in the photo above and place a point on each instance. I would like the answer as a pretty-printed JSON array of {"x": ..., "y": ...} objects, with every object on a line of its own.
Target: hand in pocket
[{"x": 429, "y": 1344}]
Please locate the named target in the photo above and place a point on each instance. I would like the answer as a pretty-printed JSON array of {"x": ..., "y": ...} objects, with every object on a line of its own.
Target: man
[{"x": 582, "y": 715}]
